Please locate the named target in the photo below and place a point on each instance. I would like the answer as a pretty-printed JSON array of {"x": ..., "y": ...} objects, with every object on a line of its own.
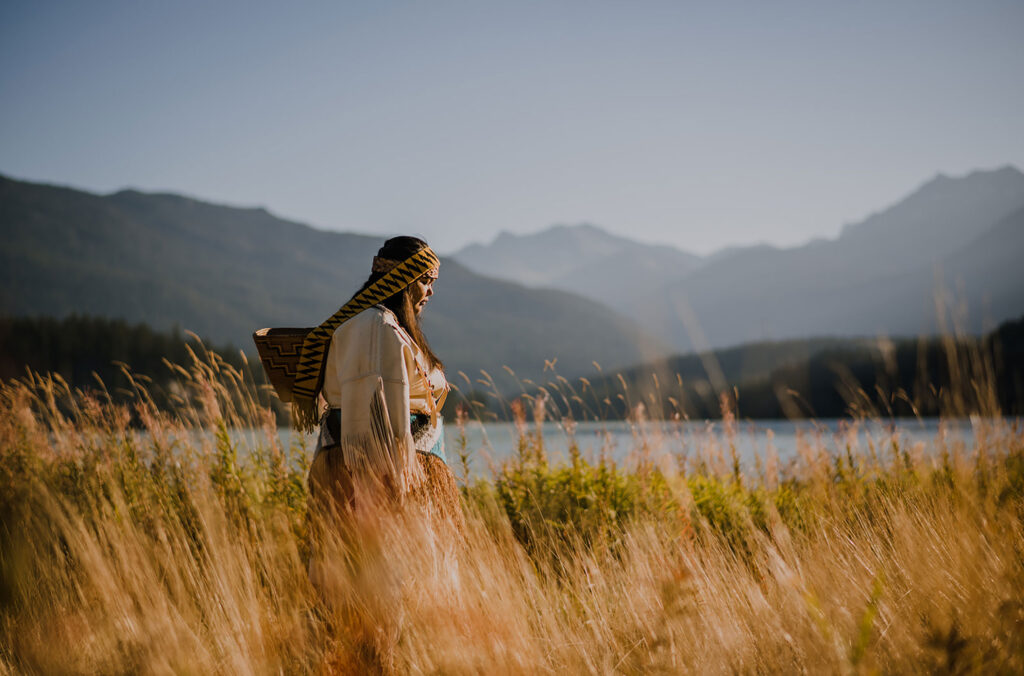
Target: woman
[{"x": 381, "y": 437}]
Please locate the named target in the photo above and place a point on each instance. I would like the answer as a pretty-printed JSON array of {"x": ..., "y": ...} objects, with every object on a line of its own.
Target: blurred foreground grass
[{"x": 135, "y": 540}]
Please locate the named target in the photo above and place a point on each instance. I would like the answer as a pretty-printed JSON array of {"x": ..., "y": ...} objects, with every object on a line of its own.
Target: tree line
[{"x": 930, "y": 376}]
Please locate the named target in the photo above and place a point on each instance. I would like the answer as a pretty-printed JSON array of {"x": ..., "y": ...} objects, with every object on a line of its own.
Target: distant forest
[
  {"x": 816, "y": 378},
  {"x": 819, "y": 378},
  {"x": 928, "y": 376},
  {"x": 94, "y": 353}
]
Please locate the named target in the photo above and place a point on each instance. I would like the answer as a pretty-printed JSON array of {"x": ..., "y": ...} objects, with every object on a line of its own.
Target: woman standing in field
[{"x": 381, "y": 437}]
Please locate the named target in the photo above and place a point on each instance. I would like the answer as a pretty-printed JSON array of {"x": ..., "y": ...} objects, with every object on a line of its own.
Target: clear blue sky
[{"x": 700, "y": 125}]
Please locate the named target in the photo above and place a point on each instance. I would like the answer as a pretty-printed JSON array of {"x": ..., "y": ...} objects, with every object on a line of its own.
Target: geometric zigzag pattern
[
  {"x": 280, "y": 349},
  {"x": 309, "y": 372}
]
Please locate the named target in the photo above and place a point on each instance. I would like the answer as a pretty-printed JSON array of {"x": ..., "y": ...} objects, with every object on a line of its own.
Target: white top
[{"x": 377, "y": 376}]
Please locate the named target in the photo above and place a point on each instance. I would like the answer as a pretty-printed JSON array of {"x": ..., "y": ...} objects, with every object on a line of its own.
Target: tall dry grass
[{"x": 146, "y": 541}]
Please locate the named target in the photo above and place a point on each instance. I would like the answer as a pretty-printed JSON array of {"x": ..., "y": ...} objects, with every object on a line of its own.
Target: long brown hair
[{"x": 398, "y": 249}]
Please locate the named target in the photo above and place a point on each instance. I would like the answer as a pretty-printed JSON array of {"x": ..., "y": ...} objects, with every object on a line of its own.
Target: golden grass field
[{"x": 140, "y": 541}]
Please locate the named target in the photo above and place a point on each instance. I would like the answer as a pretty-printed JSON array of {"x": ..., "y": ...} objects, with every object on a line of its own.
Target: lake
[{"x": 488, "y": 444}]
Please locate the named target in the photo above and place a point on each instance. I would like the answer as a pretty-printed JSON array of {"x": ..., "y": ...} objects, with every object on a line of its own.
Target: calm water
[
  {"x": 623, "y": 441},
  {"x": 491, "y": 443}
]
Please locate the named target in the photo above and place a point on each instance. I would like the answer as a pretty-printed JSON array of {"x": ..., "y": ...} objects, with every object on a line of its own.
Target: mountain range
[
  {"x": 222, "y": 272},
  {"x": 570, "y": 295},
  {"x": 962, "y": 237},
  {"x": 582, "y": 259}
]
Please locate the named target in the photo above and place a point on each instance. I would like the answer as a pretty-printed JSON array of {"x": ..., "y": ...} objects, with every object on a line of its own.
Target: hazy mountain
[
  {"x": 990, "y": 268},
  {"x": 877, "y": 277},
  {"x": 223, "y": 271},
  {"x": 740, "y": 250},
  {"x": 583, "y": 259},
  {"x": 984, "y": 280}
]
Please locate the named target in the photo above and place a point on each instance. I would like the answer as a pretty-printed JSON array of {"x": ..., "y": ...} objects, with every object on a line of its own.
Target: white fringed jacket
[{"x": 377, "y": 376}]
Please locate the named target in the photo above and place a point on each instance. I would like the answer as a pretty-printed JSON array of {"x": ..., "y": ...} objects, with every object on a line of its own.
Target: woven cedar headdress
[{"x": 309, "y": 374}]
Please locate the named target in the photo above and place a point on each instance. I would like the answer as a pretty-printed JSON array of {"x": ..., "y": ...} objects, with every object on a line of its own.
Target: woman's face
[{"x": 421, "y": 290}]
